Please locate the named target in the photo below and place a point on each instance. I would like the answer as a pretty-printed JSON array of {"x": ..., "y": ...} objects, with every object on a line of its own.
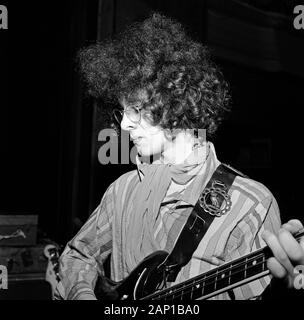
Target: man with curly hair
[{"x": 169, "y": 91}]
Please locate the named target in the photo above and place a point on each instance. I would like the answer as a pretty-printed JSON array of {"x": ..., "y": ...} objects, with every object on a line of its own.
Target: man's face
[{"x": 148, "y": 139}]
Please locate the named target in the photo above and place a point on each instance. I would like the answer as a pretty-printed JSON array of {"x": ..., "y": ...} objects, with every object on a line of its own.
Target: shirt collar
[{"x": 192, "y": 192}]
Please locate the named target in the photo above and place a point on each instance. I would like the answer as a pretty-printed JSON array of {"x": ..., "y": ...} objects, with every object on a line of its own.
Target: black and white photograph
[{"x": 152, "y": 151}]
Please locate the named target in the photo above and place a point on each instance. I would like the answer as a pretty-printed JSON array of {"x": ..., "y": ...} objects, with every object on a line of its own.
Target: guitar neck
[{"x": 227, "y": 276}]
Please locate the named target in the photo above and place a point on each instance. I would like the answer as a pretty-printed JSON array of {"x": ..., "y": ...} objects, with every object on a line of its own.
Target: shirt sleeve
[
  {"x": 83, "y": 257},
  {"x": 246, "y": 238}
]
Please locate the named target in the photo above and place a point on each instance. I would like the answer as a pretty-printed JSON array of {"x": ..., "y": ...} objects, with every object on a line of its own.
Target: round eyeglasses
[{"x": 133, "y": 114}]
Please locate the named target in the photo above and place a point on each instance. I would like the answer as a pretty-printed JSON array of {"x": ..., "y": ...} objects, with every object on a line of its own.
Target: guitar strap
[{"x": 213, "y": 202}]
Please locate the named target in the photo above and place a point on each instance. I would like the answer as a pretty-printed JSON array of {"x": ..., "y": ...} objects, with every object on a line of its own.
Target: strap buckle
[{"x": 215, "y": 200}]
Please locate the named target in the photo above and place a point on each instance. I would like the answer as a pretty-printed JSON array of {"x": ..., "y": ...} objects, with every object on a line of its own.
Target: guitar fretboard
[{"x": 228, "y": 276}]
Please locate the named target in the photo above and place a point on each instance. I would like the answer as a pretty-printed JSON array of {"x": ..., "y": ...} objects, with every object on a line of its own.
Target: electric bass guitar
[{"x": 149, "y": 280}]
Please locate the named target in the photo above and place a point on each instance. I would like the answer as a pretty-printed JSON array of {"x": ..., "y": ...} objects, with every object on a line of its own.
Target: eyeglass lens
[{"x": 132, "y": 113}]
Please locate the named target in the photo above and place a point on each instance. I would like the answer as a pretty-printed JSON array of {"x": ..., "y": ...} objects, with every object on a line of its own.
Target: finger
[
  {"x": 291, "y": 246},
  {"x": 293, "y": 225},
  {"x": 276, "y": 268},
  {"x": 302, "y": 243},
  {"x": 296, "y": 222},
  {"x": 277, "y": 250}
]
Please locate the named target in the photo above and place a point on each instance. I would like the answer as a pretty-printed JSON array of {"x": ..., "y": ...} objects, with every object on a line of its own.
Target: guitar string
[
  {"x": 183, "y": 289},
  {"x": 188, "y": 283}
]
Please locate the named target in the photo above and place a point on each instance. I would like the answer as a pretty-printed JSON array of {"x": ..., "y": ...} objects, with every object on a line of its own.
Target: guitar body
[{"x": 146, "y": 278}]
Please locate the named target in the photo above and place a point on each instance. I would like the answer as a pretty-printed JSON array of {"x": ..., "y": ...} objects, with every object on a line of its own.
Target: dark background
[{"x": 49, "y": 151}]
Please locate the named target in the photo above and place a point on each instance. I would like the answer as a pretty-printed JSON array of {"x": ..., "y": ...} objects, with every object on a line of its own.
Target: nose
[{"x": 126, "y": 124}]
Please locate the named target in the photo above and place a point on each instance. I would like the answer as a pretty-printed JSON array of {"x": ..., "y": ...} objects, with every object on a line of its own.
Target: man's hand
[{"x": 287, "y": 252}]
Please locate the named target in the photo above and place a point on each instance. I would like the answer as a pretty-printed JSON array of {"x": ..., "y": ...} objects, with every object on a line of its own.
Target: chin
[
  {"x": 144, "y": 153},
  {"x": 148, "y": 155}
]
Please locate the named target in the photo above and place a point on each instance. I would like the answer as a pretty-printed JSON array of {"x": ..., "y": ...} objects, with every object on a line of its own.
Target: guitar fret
[
  {"x": 215, "y": 281},
  {"x": 229, "y": 277},
  {"x": 264, "y": 263},
  {"x": 187, "y": 293},
  {"x": 171, "y": 296},
  {"x": 190, "y": 293},
  {"x": 223, "y": 279},
  {"x": 192, "y": 288},
  {"x": 181, "y": 297}
]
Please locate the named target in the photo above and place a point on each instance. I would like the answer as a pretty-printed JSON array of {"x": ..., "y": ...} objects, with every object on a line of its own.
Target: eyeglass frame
[{"x": 122, "y": 112}]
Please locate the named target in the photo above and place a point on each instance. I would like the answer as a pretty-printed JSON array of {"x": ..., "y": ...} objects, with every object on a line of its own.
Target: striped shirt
[{"x": 237, "y": 233}]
